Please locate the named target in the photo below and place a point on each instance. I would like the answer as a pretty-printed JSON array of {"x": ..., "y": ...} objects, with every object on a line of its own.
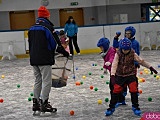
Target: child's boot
[
  {"x": 135, "y": 105},
  {"x": 136, "y": 111},
  {"x": 109, "y": 111}
]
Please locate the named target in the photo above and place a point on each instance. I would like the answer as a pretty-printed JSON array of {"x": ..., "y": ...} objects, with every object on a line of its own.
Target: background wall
[
  {"x": 133, "y": 11},
  {"x": 97, "y": 16},
  {"x": 15, "y": 5},
  {"x": 87, "y": 37},
  {"x": 95, "y": 12}
]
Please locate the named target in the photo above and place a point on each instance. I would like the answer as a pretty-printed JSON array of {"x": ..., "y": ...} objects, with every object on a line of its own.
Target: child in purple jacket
[{"x": 107, "y": 54}]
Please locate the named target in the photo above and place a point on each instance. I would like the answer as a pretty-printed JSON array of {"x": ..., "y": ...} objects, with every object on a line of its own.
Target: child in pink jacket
[
  {"x": 107, "y": 54},
  {"x": 64, "y": 40}
]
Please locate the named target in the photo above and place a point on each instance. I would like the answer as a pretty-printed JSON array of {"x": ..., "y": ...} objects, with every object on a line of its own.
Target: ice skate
[
  {"x": 46, "y": 107},
  {"x": 36, "y": 107},
  {"x": 136, "y": 111},
  {"x": 109, "y": 111}
]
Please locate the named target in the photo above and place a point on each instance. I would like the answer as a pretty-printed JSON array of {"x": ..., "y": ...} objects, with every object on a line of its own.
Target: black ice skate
[
  {"x": 36, "y": 107},
  {"x": 46, "y": 107}
]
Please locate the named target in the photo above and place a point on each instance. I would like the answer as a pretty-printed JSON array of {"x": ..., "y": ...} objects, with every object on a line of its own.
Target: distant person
[
  {"x": 64, "y": 40},
  {"x": 71, "y": 29},
  {"x": 43, "y": 41}
]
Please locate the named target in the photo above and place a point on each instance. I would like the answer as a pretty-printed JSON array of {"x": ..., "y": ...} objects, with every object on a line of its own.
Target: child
[
  {"x": 108, "y": 55},
  {"x": 123, "y": 72},
  {"x": 64, "y": 40},
  {"x": 130, "y": 32}
]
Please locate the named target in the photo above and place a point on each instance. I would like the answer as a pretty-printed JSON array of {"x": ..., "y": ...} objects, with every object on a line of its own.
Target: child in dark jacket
[
  {"x": 130, "y": 32},
  {"x": 108, "y": 56},
  {"x": 123, "y": 72}
]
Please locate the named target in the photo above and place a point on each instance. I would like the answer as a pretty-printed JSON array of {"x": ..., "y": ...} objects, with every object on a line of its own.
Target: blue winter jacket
[
  {"x": 71, "y": 29},
  {"x": 135, "y": 45},
  {"x": 42, "y": 43}
]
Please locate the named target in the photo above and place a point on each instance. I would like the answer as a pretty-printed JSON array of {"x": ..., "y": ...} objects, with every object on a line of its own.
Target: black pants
[
  {"x": 121, "y": 97},
  {"x": 111, "y": 86},
  {"x": 74, "y": 40},
  {"x": 131, "y": 82}
]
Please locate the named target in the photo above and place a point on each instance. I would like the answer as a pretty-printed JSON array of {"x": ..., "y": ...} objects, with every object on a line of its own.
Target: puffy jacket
[
  {"x": 109, "y": 58},
  {"x": 71, "y": 29},
  {"x": 135, "y": 46},
  {"x": 42, "y": 43}
]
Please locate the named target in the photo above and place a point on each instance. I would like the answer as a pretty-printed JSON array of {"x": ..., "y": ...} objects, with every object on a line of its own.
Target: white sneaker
[
  {"x": 70, "y": 54},
  {"x": 79, "y": 53}
]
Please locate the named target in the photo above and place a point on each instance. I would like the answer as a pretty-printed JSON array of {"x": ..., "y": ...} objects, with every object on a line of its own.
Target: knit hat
[
  {"x": 43, "y": 12},
  {"x": 125, "y": 44}
]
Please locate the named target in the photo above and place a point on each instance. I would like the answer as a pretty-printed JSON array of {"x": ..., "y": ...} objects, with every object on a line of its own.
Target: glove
[
  {"x": 153, "y": 70},
  {"x": 118, "y": 33},
  {"x": 107, "y": 63},
  {"x": 112, "y": 79},
  {"x": 60, "y": 49}
]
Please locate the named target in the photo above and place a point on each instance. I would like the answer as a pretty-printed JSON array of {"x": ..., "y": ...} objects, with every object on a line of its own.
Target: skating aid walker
[{"x": 60, "y": 71}]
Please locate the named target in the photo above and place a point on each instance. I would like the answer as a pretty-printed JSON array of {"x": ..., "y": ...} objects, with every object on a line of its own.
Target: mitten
[
  {"x": 118, "y": 33},
  {"x": 153, "y": 70},
  {"x": 107, "y": 63},
  {"x": 112, "y": 79}
]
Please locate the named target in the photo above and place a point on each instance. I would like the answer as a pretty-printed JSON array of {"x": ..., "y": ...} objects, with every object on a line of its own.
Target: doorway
[
  {"x": 21, "y": 19},
  {"x": 77, "y": 14}
]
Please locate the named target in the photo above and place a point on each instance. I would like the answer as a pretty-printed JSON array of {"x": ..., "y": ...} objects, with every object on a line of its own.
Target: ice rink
[{"x": 81, "y": 99}]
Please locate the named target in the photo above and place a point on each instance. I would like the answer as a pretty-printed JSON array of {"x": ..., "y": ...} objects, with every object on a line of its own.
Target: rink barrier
[{"x": 87, "y": 37}]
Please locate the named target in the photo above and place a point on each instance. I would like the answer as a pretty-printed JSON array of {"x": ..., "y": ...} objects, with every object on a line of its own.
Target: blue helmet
[
  {"x": 125, "y": 44},
  {"x": 132, "y": 29},
  {"x": 104, "y": 42}
]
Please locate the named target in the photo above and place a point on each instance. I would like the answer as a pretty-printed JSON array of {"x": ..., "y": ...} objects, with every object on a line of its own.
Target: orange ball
[
  {"x": 91, "y": 87},
  {"x": 143, "y": 80},
  {"x": 141, "y": 72},
  {"x": 140, "y": 91},
  {"x": 71, "y": 112},
  {"x": 78, "y": 83}
]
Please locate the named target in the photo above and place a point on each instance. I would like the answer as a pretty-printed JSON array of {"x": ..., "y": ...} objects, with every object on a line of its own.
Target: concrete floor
[{"x": 81, "y": 98}]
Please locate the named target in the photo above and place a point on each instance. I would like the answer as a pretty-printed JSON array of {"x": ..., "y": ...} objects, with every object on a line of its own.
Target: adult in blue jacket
[
  {"x": 71, "y": 29},
  {"x": 130, "y": 32},
  {"x": 42, "y": 45}
]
